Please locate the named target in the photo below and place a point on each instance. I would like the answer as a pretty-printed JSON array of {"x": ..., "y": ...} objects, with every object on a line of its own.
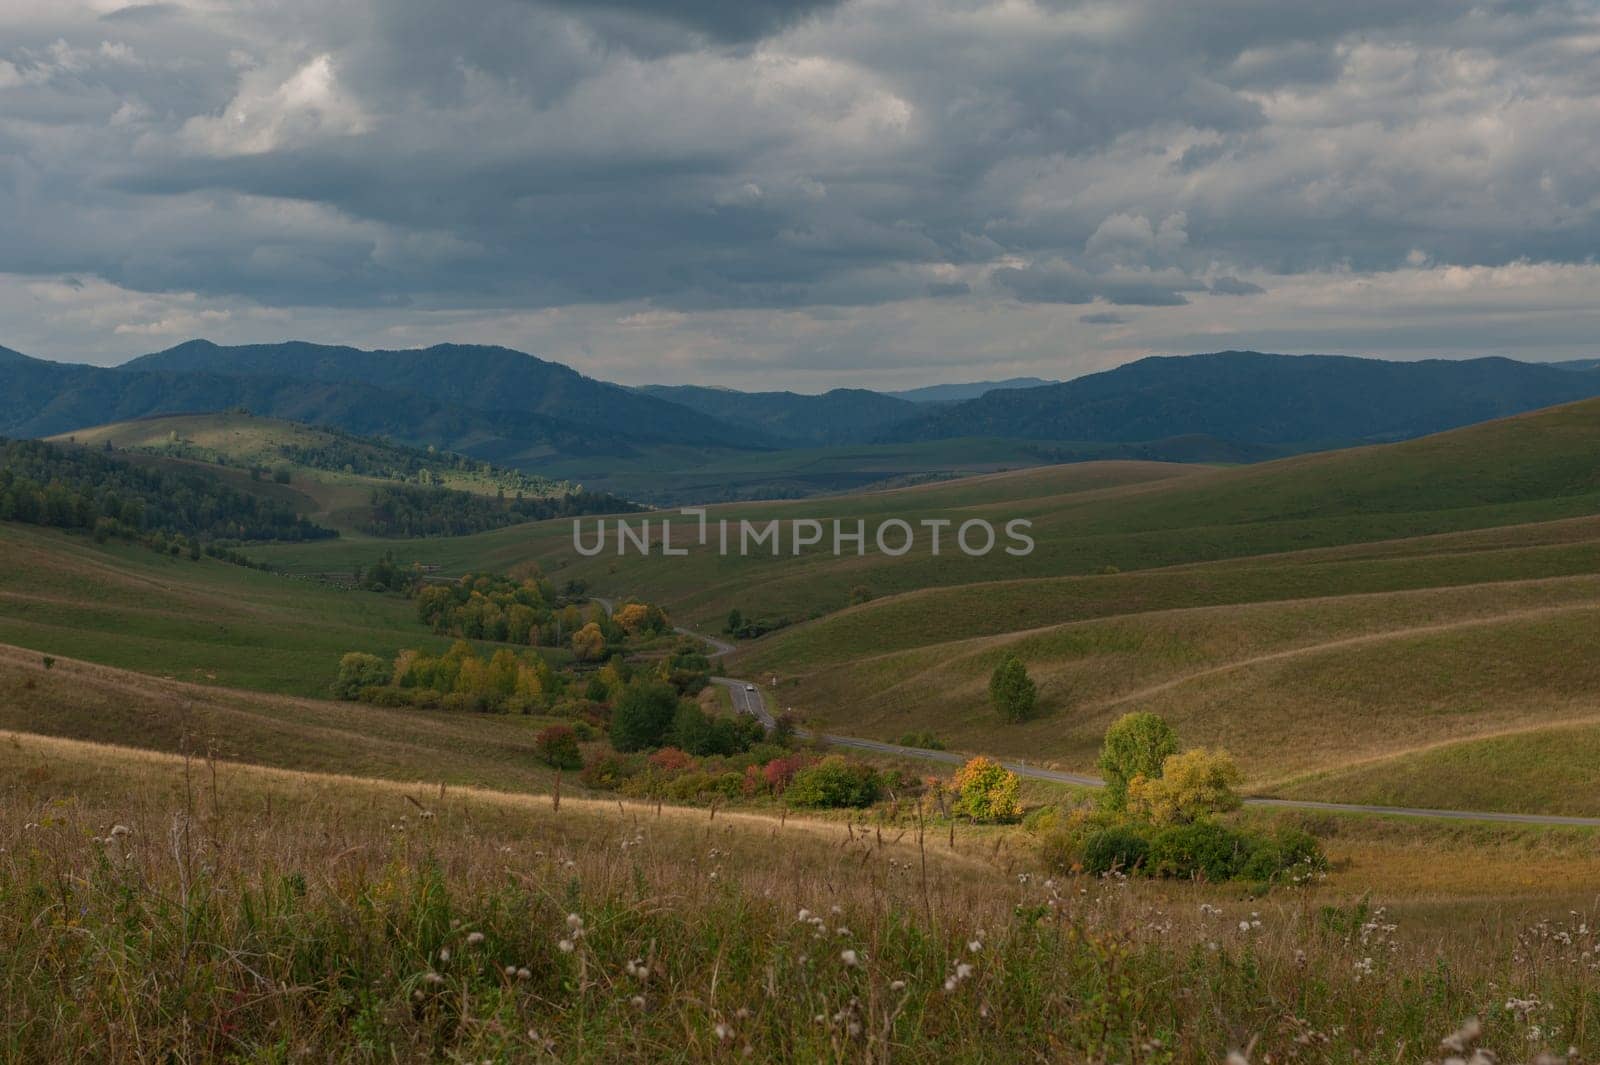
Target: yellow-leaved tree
[
  {"x": 1192, "y": 785},
  {"x": 986, "y": 791},
  {"x": 588, "y": 643}
]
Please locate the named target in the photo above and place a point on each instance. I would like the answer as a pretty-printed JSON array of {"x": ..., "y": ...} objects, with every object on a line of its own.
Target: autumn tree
[
  {"x": 1193, "y": 785},
  {"x": 557, "y": 747},
  {"x": 588, "y": 643},
  {"x": 987, "y": 791},
  {"x": 1012, "y": 691},
  {"x": 1136, "y": 745}
]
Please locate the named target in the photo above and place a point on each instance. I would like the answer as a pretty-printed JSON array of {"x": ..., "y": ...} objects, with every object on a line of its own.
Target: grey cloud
[
  {"x": 724, "y": 20},
  {"x": 1232, "y": 286},
  {"x": 1063, "y": 283},
  {"x": 777, "y": 155},
  {"x": 1102, "y": 318}
]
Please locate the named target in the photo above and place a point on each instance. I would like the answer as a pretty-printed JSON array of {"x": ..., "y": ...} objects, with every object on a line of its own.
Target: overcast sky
[{"x": 798, "y": 193}]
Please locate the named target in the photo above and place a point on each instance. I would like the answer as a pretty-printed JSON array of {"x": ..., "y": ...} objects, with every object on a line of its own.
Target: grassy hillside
[
  {"x": 204, "y": 621},
  {"x": 1284, "y": 685},
  {"x": 81, "y": 701},
  {"x": 217, "y": 912},
  {"x": 239, "y": 439},
  {"x": 1534, "y": 468},
  {"x": 334, "y": 472},
  {"x": 1544, "y": 768}
]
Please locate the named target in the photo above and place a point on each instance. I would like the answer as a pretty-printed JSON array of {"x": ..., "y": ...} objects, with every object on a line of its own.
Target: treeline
[
  {"x": 74, "y": 488},
  {"x": 370, "y": 457},
  {"x": 413, "y": 511}
]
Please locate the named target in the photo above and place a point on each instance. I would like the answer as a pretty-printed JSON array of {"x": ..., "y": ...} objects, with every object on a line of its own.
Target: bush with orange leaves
[{"x": 986, "y": 791}]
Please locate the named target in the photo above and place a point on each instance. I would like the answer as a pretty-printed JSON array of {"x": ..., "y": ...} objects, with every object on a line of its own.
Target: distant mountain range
[
  {"x": 1291, "y": 402},
  {"x": 970, "y": 390},
  {"x": 843, "y": 416},
  {"x": 514, "y": 409}
]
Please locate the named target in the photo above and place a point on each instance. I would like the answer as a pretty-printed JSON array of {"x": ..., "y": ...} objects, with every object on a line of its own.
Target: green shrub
[
  {"x": 1204, "y": 849},
  {"x": 1282, "y": 856},
  {"x": 357, "y": 671},
  {"x": 835, "y": 782},
  {"x": 1117, "y": 848},
  {"x": 924, "y": 740},
  {"x": 643, "y": 716}
]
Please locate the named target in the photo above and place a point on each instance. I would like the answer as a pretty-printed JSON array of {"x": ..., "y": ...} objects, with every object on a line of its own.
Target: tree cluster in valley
[
  {"x": 75, "y": 488},
  {"x": 415, "y": 511}
]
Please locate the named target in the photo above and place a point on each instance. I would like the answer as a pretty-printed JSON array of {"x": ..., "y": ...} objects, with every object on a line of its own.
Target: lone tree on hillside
[
  {"x": 1012, "y": 691},
  {"x": 1137, "y": 745}
]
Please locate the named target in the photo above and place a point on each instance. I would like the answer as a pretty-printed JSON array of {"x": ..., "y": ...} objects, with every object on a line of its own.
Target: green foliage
[
  {"x": 835, "y": 782},
  {"x": 385, "y": 575},
  {"x": 557, "y": 747},
  {"x": 696, "y": 732},
  {"x": 643, "y": 716},
  {"x": 412, "y": 511},
  {"x": 1205, "y": 849},
  {"x": 1138, "y": 744},
  {"x": 358, "y": 670},
  {"x": 1012, "y": 691},
  {"x": 742, "y": 627},
  {"x": 924, "y": 740},
  {"x": 489, "y": 606},
  {"x": 75, "y": 488},
  {"x": 1115, "y": 849}
]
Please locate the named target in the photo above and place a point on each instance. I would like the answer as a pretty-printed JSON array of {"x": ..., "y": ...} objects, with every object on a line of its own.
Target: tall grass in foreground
[{"x": 152, "y": 911}]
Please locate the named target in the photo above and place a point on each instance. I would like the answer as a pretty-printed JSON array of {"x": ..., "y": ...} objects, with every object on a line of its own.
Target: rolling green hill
[{"x": 1532, "y": 468}]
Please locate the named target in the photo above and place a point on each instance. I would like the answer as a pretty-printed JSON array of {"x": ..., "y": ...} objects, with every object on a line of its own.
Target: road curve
[{"x": 747, "y": 699}]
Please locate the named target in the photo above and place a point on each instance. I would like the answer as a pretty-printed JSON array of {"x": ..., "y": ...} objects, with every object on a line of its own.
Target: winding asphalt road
[{"x": 747, "y": 699}]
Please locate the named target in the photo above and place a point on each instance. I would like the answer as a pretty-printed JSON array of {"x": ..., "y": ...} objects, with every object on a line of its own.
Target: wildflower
[
  {"x": 850, "y": 958},
  {"x": 803, "y": 916},
  {"x": 574, "y": 922},
  {"x": 567, "y": 946},
  {"x": 897, "y": 985},
  {"x": 511, "y": 970},
  {"x": 637, "y": 1001},
  {"x": 474, "y": 938},
  {"x": 724, "y": 1033},
  {"x": 118, "y": 831},
  {"x": 433, "y": 978},
  {"x": 444, "y": 953},
  {"x": 974, "y": 945},
  {"x": 523, "y": 974}
]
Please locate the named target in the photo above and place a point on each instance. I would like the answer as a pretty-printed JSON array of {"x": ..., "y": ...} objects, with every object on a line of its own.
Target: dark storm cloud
[
  {"x": 724, "y": 20},
  {"x": 789, "y": 154}
]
